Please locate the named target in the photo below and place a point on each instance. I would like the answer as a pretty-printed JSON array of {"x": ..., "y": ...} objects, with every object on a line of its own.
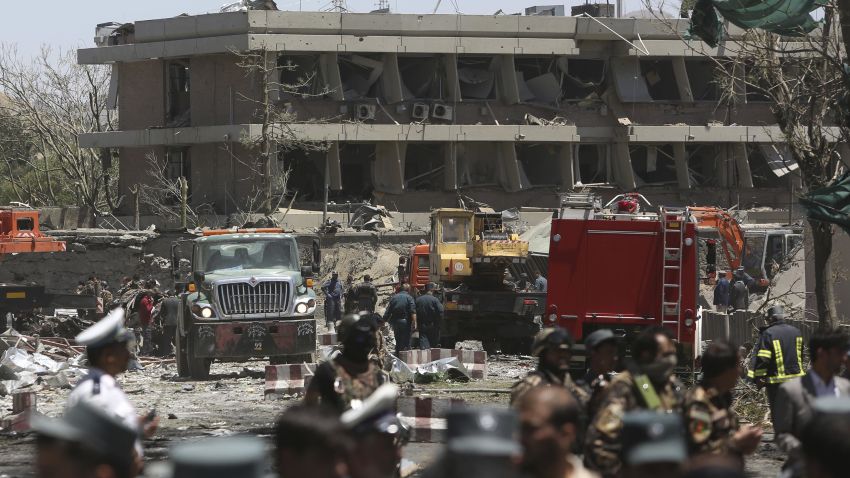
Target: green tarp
[
  {"x": 830, "y": 204},
  {"x": 784, "y": 17}
]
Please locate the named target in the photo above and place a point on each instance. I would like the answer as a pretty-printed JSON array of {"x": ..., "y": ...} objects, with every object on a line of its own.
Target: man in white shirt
[
  {"x": 794, "y": 399},
  {"x": 108, "y": 345}
]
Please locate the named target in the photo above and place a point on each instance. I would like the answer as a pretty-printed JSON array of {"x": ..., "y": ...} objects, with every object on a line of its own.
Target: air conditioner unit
[
  {"x": 442, "y": 112},
  {"x": 420, "y": 111},
  {"x": 365, "y": 112}
]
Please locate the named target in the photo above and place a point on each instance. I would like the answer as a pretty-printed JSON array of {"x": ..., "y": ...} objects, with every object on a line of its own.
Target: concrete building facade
[{"x": 414, "y": 109}]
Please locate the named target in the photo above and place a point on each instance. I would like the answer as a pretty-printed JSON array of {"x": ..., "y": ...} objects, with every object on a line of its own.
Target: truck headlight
[
  {"x": 204, "y": 311},
  {"x": 301, "y": 308}
]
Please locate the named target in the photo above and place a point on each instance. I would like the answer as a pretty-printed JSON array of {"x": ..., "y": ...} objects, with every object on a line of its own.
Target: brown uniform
[
  {"x": 603, "y": 443},
  {"x": 542, "y": 377},
  {"x": 710, "y": 421}
]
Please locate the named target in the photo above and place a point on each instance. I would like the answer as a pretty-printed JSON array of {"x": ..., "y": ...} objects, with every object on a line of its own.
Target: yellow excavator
[{"x": 470, "y": 255}]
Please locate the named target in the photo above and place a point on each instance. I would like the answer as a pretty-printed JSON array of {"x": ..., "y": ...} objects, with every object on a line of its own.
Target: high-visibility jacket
[{"x": 778, "y": 357}]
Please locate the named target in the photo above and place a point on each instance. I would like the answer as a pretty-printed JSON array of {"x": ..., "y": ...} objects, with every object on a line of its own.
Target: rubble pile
[
  {"x": 61, "y": 325},
  {"x": 30, "y": 362}
]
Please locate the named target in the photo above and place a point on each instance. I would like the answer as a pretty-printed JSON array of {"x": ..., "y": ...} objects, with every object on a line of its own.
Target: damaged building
[{"x": 411, "y": 109}]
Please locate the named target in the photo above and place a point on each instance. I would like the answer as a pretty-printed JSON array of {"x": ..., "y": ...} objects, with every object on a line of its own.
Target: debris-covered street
[{"x": 440, "y": 239}]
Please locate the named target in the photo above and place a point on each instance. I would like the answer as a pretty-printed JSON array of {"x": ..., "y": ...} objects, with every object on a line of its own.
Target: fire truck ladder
[{"x": 673, "y": 233}]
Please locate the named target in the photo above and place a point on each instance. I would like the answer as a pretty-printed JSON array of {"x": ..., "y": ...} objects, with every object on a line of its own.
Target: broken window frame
[
  {"x": 692, "y": 152},
  {"x": 656, "y": 92},
  {"x": 551, "y": 169},
  {"x": 474, "y": 62},
  {"x": 348, "y": 64},
  {"x": 178, "y": 164},
  {"x": 182, "y": 117},
  {"x": 763, "y": 175},
  {"x": 712, "y": 84},
  {"x": 414, "y": 153},
  {"x": 309, "y": 86},
  {"x": 603, "y": 155},
  {"x": 586, "y": 83},
  {"x": 405, "y": 62},
  {"x": 673, "y": 181}
]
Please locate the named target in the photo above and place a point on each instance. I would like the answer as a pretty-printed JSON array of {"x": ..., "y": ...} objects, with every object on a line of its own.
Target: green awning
[
  {"x": 830, "y": 204},
  {"x": 784, "y": 17}
]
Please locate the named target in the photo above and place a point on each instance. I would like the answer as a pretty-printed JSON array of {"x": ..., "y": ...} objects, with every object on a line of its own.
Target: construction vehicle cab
[
  {"x": 451, "y": 250},
  {"x": 469, "y": 255},
  {"x": 761, "y": 251},
  {"x": 248, "y": 297}
]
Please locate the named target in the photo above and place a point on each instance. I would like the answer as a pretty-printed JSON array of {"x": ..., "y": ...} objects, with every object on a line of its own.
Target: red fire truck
[{"x": 620, "y": 268}]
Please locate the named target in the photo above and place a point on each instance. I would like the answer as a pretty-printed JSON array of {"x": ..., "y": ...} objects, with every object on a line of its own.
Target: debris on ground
[{"x": 371, "y": 218}]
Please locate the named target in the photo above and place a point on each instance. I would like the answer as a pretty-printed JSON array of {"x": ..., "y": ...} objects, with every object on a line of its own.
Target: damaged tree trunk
[
  {"x": 844, "y": 19},
  {"x": 824, "y": 294}
]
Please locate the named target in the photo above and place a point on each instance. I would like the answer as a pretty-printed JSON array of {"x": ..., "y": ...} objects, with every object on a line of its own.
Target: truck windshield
[
  {"x": 455, "y": 229},
  {"x": 279, "y": 254}
]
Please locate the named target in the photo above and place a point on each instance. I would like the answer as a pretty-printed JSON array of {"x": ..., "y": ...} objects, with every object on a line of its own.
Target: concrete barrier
[
  {"x": 327, "y": 339},
  {"x": 284, "y": 381},
  {"x": 474, "y": 361},
  {"x": 23, "y": 406},
  {"x": 426, "y": 417}
]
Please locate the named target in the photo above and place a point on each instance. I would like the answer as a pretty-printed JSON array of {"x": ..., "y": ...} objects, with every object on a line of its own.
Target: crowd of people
[{"x": 628, "y": 417}]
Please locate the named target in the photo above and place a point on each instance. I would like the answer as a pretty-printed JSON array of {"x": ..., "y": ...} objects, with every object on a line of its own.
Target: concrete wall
[
  {"x": 219, "y": 91},
  {"x": 141, "y": 94}
]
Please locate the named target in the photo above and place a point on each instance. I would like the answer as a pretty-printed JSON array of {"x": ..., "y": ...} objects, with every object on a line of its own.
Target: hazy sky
[{"x": 68, "y": 24}]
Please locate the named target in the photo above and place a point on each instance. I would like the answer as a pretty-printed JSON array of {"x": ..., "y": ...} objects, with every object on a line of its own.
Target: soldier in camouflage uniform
[
  {"x": 351, "y": 377},
  {"x": 649, "y": 384},
  {"x": 712, "y": 426},
  {"x": 384, "y": 342},
  {"x": 553, "y": 347},
  {"x": 601, "y": 348}
]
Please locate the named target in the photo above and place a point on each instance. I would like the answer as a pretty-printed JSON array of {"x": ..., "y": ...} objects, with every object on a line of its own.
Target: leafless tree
[
  {"x": 165, "y": 196},
  {"x": 52, "y": 100}
]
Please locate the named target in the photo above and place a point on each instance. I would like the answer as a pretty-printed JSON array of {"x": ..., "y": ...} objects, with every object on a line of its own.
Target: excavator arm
[{"x": 731, "y": 234}]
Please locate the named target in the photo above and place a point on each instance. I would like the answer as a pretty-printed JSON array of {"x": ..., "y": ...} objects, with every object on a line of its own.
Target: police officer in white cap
[{"x": 108, "y": 345}]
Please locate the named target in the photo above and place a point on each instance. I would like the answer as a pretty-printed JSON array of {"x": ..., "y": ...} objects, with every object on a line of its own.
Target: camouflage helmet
[
  {"x": 353, "y": 323},
  {"x": 551, "y": 338}
]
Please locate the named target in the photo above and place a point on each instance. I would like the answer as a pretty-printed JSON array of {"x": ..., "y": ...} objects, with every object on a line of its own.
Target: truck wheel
[
  {"x": 181, "y": 355},
  {"x": 199, "y": 367},
  {"x": 187, "y": 365}
]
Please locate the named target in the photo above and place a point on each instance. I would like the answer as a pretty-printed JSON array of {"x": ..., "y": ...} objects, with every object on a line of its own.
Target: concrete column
[
  {"x": 742, "y": 163},
  {"x": 621, "y": 160},
  {"x": 388, "y": 168},
  {"x": 682, "y": 81},
  {"x": 506, "y": 80},
  {"x": 331, "y": 78},
  {"x": 450, "y": 182},
  {"x": 510, "y": 174},
  {"x": 565, "y": 162},
  {"x": 452, "y": 79},
  {"x": 680, "y": 155},
  {"x": 335, "y": 166},
  {"x": 391, "y": 79}
]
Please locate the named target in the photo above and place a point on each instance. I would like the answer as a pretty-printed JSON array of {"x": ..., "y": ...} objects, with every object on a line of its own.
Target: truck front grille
[{"x": 241, "y": 298}]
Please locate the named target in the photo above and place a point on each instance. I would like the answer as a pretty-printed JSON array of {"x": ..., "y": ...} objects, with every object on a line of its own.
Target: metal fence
[{"x": 741, "y": 327}]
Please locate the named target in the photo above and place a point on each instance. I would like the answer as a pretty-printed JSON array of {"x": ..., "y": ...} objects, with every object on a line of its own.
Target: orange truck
[{"x": 20, "y": 234}]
